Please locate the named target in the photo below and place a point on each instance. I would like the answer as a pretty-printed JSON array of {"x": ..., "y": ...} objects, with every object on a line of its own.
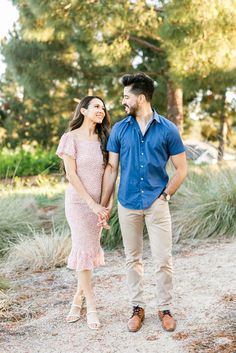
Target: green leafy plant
[{"x": 21, "y": 162}]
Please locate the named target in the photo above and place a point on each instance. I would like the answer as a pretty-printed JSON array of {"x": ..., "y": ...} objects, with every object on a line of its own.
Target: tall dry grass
[
  {"x": 22, "y": 207},
  {"x": 40, "y": 251},
  {"x": 18, "y": 214},
  {"x": 205, "y": 206}
]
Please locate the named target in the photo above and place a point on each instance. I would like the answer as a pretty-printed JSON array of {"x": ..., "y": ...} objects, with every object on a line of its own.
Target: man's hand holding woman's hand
[
  {"x": 103, "y": 214},
  {"x": 99, "y": 210},
  {"x": 102, "y": 221}
]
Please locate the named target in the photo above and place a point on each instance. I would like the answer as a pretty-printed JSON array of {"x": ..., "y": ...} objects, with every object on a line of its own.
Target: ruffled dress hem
[{"x": 78, "y": 261}]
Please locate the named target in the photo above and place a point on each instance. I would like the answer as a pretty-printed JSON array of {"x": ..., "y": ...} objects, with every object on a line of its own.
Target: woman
[{"x": 83, "y": 150}]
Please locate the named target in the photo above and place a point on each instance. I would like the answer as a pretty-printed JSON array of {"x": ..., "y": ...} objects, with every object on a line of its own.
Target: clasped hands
[{"x": 103, "y": 214}]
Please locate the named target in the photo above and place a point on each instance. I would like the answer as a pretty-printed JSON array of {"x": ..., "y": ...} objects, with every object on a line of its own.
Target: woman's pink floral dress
[{"x": 86, "y": 252}]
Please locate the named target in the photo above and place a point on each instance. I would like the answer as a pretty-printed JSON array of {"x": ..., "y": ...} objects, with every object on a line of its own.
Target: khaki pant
[{"x": 158, "y": 222}]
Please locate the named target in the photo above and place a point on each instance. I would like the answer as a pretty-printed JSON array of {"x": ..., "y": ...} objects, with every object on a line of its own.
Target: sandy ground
[{"x": 204, "y": 306}]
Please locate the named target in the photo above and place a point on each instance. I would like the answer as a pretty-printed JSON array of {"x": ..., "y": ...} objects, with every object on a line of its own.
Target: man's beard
[{"x": 132, "y": 110}]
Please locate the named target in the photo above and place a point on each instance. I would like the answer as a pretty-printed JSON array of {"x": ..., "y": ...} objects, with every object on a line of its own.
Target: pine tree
[{"x": 200, "y": 39}]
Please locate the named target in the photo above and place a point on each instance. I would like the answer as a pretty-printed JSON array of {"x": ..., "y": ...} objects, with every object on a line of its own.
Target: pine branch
[{"x": 146, "y": 44}]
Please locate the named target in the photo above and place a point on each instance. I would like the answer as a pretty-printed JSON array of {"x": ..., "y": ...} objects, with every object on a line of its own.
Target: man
[{"x": 143, "y": 142}]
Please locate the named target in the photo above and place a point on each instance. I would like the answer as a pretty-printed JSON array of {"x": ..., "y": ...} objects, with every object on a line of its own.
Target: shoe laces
[
  {"x": 166, "y": 312},
  {"x": 136, "y": 311}
]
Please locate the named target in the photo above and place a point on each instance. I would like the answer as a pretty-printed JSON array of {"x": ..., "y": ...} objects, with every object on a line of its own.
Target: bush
[
  {"x": 43, "y": 251},
  {"x": 209, "y": 130},
  {"x": 205, "y": 205},
  {"x": 21, "y": 162},
  {"x": 18, "y": 214}
]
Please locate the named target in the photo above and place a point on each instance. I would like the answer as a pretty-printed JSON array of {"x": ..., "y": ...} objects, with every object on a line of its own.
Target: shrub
[
  {"x": 205, "y": 205},
  {"x": 209, "y": 130},
  {"x": 18, "y": 214},
  {"x": 43, "y": 251},
  {"x": 21, "y": 162}
]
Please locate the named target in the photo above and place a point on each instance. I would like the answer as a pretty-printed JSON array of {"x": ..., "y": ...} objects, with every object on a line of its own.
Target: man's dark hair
[{"x": 140, "y": 84}]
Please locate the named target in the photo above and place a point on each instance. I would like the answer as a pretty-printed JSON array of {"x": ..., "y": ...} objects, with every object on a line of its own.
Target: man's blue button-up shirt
[{"x": 143, "y": 158}]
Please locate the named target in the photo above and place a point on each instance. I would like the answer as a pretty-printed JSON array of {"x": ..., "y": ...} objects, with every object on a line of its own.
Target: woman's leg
[
  {"x": 85, "y": 280},
  {"x": 77, "y": 305},
  {"x": 79, "y": 293}
]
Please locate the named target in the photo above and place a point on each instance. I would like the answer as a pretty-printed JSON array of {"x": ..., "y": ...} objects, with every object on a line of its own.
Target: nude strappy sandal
[
  {"x": 95, "y": 324},
  {"x": 75, "y": 311}
]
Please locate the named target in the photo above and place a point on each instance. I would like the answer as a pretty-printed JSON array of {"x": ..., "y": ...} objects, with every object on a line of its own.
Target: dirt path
[{"x": 205, "y": 307}]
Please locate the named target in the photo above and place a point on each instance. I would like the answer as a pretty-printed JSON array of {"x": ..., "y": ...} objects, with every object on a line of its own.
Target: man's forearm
[
  {"x": 108, "y": 184},
  {"x": 176, "y": 181}
]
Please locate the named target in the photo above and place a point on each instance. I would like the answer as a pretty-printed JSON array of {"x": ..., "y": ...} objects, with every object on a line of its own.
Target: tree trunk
[
  {"x": 175, "y": 105},
  {"x": 223, "y": 130}
]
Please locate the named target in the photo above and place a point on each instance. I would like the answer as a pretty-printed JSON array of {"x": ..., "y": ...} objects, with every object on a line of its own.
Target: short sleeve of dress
[{"x": 66, "y": 146}]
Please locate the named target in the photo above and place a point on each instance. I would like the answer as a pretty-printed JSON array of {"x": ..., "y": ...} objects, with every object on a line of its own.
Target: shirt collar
[{"x": 154, "y": 117}]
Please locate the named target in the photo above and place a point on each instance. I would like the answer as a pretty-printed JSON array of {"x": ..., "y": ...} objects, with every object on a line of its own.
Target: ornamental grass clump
[
  {"x": 18, "y": 214},
  {"x": 59, "y": 218},
  {"x": 42, "y": 252},
  {"x": 205, "y": 205}
]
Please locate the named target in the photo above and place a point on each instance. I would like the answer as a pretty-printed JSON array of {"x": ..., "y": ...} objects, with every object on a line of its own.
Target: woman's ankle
[
  {"x": 79, "y": 293},
  {"x": 91, "y": 305},
  {"x": 77, "y": 297}
]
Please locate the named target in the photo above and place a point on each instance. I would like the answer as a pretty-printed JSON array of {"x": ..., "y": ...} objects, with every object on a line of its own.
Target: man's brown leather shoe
[
  {"x": 135, "y": 322},
  {"x": 168, "y": 322}
]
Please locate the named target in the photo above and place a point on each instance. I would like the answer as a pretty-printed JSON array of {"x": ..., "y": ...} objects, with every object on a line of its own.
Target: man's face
[{"x": 130, "y": 101}]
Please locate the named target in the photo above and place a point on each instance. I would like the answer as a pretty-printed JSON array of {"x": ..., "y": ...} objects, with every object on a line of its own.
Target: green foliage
[
  {"x": 209, "y": 130},
  {"x": 33, "y": 217},
  {"x": 205, "y": 205},
  {"x": 200, "y": 43},
  {"x": 200, "y": 49},
  {"x": 61, "y": 51},
  {"x": 21, "y": 162}
]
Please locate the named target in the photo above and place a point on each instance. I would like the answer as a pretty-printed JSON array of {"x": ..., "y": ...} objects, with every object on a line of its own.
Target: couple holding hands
[{"x": 139, "y": 146}]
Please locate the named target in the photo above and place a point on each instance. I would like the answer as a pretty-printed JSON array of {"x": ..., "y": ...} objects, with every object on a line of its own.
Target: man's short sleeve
[
  {"x": 113, "y": 144},
  {"x": 175, "y": 143}
]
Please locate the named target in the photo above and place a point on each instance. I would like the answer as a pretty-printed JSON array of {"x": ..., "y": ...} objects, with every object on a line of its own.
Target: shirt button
[
  {"x": 141, "y": 178},
  {"x": 142, "y": 153},
  {"x": 142, "y": 141},
  {"x": 142, "y": 191},
  {"x": 141, "y": 166}
]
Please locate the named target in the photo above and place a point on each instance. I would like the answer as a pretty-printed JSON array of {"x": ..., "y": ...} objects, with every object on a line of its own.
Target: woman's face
[{"x": 95, "y": 111}]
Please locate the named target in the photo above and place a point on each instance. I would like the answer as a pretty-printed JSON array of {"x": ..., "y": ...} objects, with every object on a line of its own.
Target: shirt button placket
[{"x": 142, "y": 166}]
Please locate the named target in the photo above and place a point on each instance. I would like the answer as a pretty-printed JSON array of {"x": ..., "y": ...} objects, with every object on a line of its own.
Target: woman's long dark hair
[{"x": 102, "y": 129}]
